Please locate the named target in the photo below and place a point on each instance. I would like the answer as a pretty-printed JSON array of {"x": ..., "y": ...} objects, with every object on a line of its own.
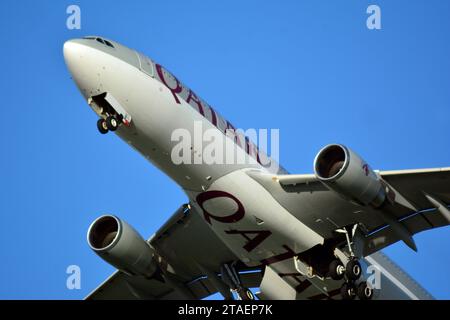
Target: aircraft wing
[
  {"x": 422, "y": 199},
  {"x": 189, "y": 247},
  {"x": 428, "y": 193},
  {"x": 412, "y": 184}
]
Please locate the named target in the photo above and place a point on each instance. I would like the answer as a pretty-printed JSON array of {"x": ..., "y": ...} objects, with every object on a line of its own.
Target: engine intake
[
  {"x": 119, "y": 244},
  {"x": 346, "y": 173}
]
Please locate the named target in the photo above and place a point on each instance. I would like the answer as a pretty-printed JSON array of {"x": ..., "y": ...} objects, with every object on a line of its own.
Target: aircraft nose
[
  {"x": 72, "y": 56},
  {"x": 80, "y": 61},
  {"x": 68, "y": 50}
]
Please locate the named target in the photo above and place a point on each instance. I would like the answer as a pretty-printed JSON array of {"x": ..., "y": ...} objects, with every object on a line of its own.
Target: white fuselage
[
  {"x": 243, "y": 214},
  {"x": 156, "y": 114}
]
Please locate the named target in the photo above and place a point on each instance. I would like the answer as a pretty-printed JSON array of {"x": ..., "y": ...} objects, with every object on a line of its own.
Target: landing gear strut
[
  {"x": 336, "y": 270},
  {"x": 352, "y": 271},
  {"x": 245, "y": 294},
  {"x": 231, "y": 277}
]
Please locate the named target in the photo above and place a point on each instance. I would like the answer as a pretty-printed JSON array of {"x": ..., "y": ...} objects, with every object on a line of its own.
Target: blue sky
[{"x": 310, "y": 68}]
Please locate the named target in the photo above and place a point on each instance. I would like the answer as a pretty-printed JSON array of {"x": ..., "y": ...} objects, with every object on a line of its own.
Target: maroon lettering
[
  {"x": 231, "y": 129},
  {"x": 283, "y": 256},
  {"x": 213, "y": 116},
  {"x": 252, "y": 150},
  {"x": 175, "y": 90},
  {"x": 258, "y": 159},
  {"x": 192, "y": 96},
  {"x": 252, "y": 243},
  {"x": 208, "y": 195}
]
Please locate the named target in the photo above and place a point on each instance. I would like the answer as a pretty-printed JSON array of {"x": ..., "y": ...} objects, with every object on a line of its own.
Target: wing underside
[
  {"x": 189, "y": 247},
  {"x": 423, "y": 197}
]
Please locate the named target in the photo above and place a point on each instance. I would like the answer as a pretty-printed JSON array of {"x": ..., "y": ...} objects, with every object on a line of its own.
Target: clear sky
[{"x": 310, "y": 68}]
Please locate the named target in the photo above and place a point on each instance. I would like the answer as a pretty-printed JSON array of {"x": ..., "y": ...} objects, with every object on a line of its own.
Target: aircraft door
[{"x": 146, "y": 65}]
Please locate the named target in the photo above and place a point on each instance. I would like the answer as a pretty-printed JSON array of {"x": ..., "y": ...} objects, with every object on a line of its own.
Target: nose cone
[
  {"x": 73, "y": 54},
  {"x": 69, "y": 50},
  {"x": 81, "y": 61}
]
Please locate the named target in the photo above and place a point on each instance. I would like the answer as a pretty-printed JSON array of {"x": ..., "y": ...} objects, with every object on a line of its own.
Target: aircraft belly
[{"x": 250, "y": 222}]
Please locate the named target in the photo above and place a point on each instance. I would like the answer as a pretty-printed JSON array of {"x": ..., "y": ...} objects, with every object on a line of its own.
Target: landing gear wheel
[
  {"x": 348, "y": 291},
  {"x": 336, "y": 270},
  {"x": 112, "y": 123},
  {"x": 101, "y": 126},
  {"x": 364, "y": 291},
  {"x": 245, "y": 294},
  {"x": 353, "y": 270}
]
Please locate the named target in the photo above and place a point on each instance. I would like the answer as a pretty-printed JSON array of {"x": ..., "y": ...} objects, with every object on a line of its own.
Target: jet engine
[
  {"x": 346, "y": 173},
  {"x": 116, "y": 242}
]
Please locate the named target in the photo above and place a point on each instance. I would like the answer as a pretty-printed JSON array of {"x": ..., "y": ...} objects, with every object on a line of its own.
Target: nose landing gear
[
  {"x": 111, "y": 123},
  {"x": 112, "y": 113},
  {"x": 101, "y": 126}
]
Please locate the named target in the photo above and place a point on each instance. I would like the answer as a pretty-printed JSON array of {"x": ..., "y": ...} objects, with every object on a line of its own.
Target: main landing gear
[
  {"x": 231, "y": 277},
  {"x": 350, "y": 291},
  {"x": 245, "y": 294},
  {"x": 111, "y": 123},
  {"x": 351, "y": 272}
]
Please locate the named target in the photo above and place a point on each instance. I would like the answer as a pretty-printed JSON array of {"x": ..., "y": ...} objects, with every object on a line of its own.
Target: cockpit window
[
  {"x": 109, "y": 44},
  {"x": 102, "y": 41}
]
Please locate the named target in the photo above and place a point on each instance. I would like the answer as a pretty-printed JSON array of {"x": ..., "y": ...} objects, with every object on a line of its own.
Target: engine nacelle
[
  {"x": 116, "y": 242},
  {"x": 346, "y": 173}
]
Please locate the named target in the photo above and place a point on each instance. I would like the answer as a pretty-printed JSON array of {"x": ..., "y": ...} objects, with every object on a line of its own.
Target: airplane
[{"x": 247, "y": 224}]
